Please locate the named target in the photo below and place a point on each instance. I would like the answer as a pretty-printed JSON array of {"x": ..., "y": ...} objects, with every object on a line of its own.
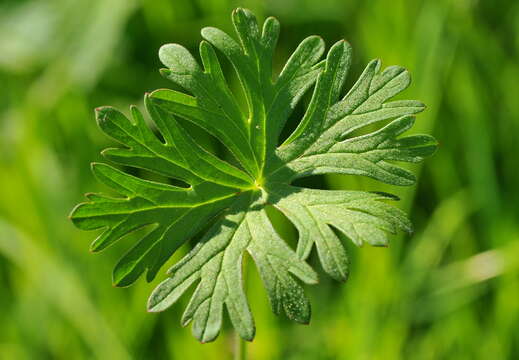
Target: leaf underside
[{"x": 232, "y": 198}]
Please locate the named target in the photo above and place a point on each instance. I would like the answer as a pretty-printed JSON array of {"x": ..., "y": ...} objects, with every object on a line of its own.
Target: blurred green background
[{"x": 449, "y": 291}]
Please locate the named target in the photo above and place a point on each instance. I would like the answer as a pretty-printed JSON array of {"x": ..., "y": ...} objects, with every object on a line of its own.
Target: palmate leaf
[{"x": 233, "y": 198}]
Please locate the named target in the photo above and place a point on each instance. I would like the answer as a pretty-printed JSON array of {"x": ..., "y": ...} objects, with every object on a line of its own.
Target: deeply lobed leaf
[{"x": 233, "y": 198}]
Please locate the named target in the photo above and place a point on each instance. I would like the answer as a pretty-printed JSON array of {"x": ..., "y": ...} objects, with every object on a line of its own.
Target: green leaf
[{"x": 224, "y": 204}]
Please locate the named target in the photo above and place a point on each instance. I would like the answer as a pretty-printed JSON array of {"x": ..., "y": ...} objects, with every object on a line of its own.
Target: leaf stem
[{"x": 240, "y": 347}]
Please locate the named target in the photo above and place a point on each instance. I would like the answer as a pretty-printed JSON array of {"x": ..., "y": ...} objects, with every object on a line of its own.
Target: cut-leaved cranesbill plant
[{"x": 233, "y": 197}]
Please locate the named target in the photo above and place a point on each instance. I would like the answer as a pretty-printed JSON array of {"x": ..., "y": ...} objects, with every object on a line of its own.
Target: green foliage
[{"x": 232, "y": 198}]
